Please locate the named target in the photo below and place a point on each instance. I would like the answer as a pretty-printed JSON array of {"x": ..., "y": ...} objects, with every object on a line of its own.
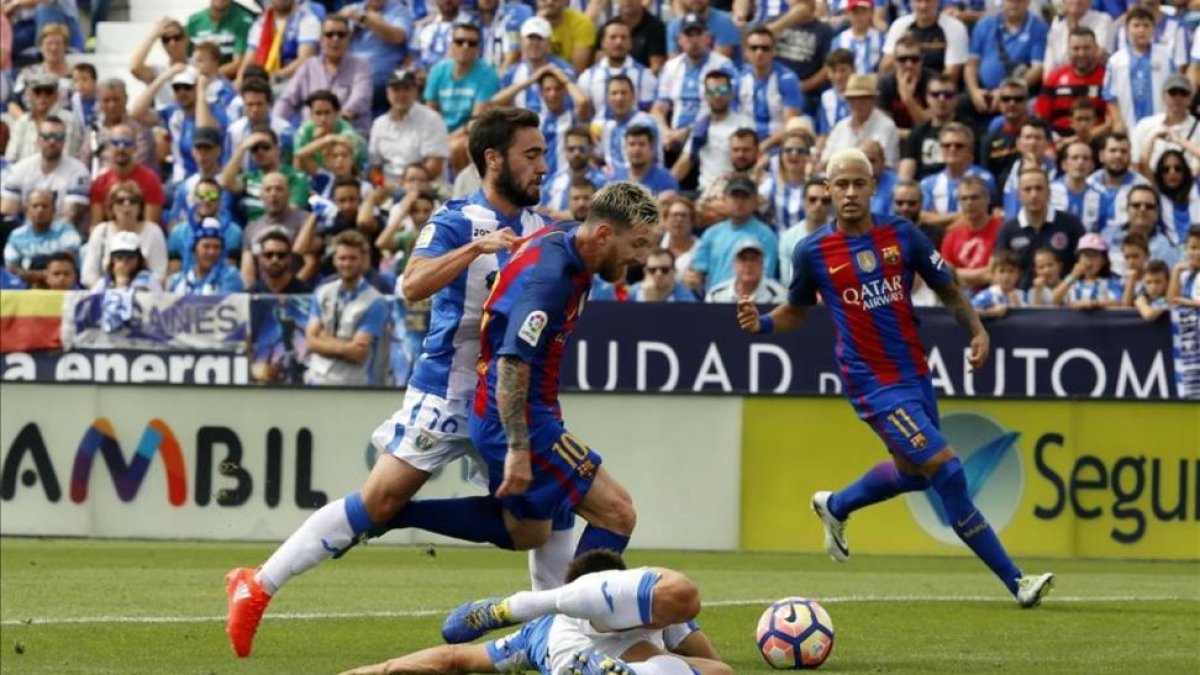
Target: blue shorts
[
  {"x": 525, "y": 649},
  {"x": 905, "y": 416},
  {"x": 564, "y": 468}
]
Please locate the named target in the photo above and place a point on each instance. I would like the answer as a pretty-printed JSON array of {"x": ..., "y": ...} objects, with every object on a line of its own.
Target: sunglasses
[
  {"x": 820, "y": 200},
  {"x": 795, "y": 151},
  {"x": 759, "y": 48},
  {"x": 121, "y": 142},
  {"x": 466, "y": 42},
  {"x": 336, "y": 34},
  {"x": 1172, "y": 168},
  {"x": 665, "y": 269},
  {"x": 208, "y": 196},
  {"x": 720, "y": 90},
  {"x": 123, "y": 255},
  {"x": 1142, "y": 206},
  {"x": 907, "y": 202},
  {"x": 1178, "y": 92},
  {"x": 182, "y": 87},
  {"x": 260, "y": 147},
  {"x": 175, "y": 37},
  {"x": 1012, "y": 99},
  {"x": 44, "y": 91},
  {"x": 954, "y": 146},
  {"x": 275, "y": 255},
  {"x": 127, "y": 200},
  {"x": 57, "y": 136},
  {"x": 941, "y": 94},
  {"x": 907, "y": 59}
]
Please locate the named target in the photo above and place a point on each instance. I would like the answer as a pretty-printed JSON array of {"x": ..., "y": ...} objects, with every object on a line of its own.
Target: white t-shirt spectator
[
  {"x": 878, "y": 127},
  {"x": 957, "y": 41},
  {"x": 1144, "y": 132},
  {"x": 769, "y": 292},
  {"x": 70, "y": 181},
  {"x": 394, "y": 145},
  {"x": 151, "y": 242}
]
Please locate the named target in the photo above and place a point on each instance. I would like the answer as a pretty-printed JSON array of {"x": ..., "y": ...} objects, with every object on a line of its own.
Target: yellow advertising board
[{"x": 1055, "y": 478}]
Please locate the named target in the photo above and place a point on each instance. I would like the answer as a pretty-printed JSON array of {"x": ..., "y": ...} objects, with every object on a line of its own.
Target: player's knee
[
  {"x": 620, "y": 516},
  {"x": 676, "y": 599},
  {"x": 931, "y": 465},
  {"x": 389, "y": 487}
]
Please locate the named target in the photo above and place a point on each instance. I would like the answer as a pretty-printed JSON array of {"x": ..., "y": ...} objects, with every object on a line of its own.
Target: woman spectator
[
  {"x": 52, "y": 45},
  {"x": 1181, "y": 197},
  {"x": 126, "y": 266},
  {"x": 175, "y": 43},
  {"x": 679, "y": 215},
  {"x": 782, "y": 189},
  {"x": 125, "y": 212}
]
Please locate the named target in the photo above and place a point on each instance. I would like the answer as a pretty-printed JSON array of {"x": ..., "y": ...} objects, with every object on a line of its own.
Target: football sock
[
  {"x": 880, "y": 482},
  {"x": 594, "y": 537},
  {"x": 478, "y": 519},
  {"x": 663, "y": 664},
  {"x": 970, "y": 525},
  {"x": 331, "y": 529},
  {"x": 614, "y": 599},
  {"x": 548, "y": 562}
]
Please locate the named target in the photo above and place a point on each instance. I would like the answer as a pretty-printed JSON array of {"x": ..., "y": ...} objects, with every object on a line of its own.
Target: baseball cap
[
  {"x": 209, "y": 228},
  {"x": 1178, "y": 81},
  {"x": 1092, "y": 241},
  {"x": 206, "y": 137},
  {"x": 402, "y": 76},
  {"x": 855, "y": 4},
  {"x": 125, "y": 242},
  {"x": 748, "y": 245},
  {"x": 186, "y": 76},
  {"x": 692, "y": 20},
  {"x": 536, "y": 25},
  {"x": 43, "y": 80},
  {"x": 741, "y": 184}
]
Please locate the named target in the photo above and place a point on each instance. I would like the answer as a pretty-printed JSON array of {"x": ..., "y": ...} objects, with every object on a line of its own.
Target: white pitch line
[{"x": 405, "y": 614}]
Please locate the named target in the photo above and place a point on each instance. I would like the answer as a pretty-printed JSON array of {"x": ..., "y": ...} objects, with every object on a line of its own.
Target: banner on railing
[
  {"x": 120, "y": 319},
  {"x": 1185, "y": 336}
]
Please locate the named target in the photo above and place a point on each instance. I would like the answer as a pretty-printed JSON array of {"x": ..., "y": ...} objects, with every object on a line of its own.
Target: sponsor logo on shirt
[{"x": 876, "y": 293}]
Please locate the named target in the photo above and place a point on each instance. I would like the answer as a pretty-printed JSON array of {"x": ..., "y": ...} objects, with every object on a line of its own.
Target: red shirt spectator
[
  {"x": 123, "y": 167},
  {"x": 1083, "y": 77}
]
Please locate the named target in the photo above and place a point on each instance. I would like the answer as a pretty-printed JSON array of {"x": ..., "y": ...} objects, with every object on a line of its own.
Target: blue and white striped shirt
[
  {"x": 867, "y": 50},
  {"x": 940, "y": 191},
  {"x": 595, "y": 79},
  {"x": 682, "y": 85},
  {"x": 766, "y": 100}
]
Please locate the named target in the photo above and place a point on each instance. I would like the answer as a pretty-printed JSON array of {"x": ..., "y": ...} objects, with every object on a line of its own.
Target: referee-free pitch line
[{"x": 416, "y": 613}]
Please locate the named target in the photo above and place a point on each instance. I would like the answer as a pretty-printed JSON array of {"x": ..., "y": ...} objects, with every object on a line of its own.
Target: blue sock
[
  {"x": 478, "y": 519},
  {"x": 970, "y": 525},
  {"x": 597, "y": 537},
  {"x": 882, "y": 481}
]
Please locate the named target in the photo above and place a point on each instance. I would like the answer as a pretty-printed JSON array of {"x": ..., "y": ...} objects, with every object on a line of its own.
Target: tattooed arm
[
  {"x": 960, "y": 308},
  {"x": 512, "y": 393}
]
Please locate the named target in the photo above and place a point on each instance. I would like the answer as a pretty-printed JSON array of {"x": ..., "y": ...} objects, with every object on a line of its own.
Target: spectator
[
  {"x": 561, "y": 106},
  {"x": 1136, "y": 252},
  {"x": 433, "y": 32},
  {"x": 206, "y": 198},
  {"x": 1085, "y": 120},
  {"x": 573, "y": 34},
  {"x": 335, "y": 70},
  {"x": 782, "y": 188},
  {"x": 885, "y": 178},
  {"x": 1036, "y": 226},
  {"x": 1032, "y": 144},
  {"x": 748, "y": 279},
  {"x": 404, "y": 223},
  {"x": 642, "y": 167},
  {"x": 1168, "y": 29},
  {"x": 175, "y": 43},
  {"x": 766, "y": 89},
  {"x": 277, "y": 210},
  {"x": 322, "y": 125},
  {"x": 707, "y": 151},
  {"x": 609, "y": 131},
  {"x": 181, "y": 117},
  {"x": 121, "y": 168},
  {"x": 43, "y": 104},
  {"x": 649, "y": 34},
  {"x": 833, "y": 108},
  {"x": 206, "y": 151},
  {"x": 1090, "y": 284},
  {"x": 257, "y": 113},
  {"x": 409, "y": 132},
  {"x": 274, "y": 255},
  {"x": 347, "y": 319},
  {"x": 209, "y": 273},
  {"x": 126, "y": 267},
  {"x": 903, "y": 90},
  {"x": 124, "y": 211},
  {"x": 941, "y": 37},
  {"x": 682, "y": 79},
  {"x": 922, "y": 155},
  {"x": 1082, "y": 77},
  {"x": 1076, "y": 14},
  {"x": 218, "y": 91},
  {"x": 614, "y": 59},
  {"x": 1134, "y": 82},
  {"x": 1047, "y": 275},
  {"x": 65, "y": 177},
  {"x": 1184, "y": 289},
  {"x": 865, "y": 122},
  {"x": 713, "y": 203},
  {"x": 41, "y": 236},
  {"x": 939, "y": 206},
  {"x": 1010, "y": 44},
  {"x": 906, "y": 203},
  {"x": 112, "y": 101},
  {"x": 83, "y": 99},
  {"x": 1177, "y": 184},
  {"x": 1113, "y": 180},
  {"x": 998, "y": 149},
  {"x": 1151, "y": 300},
  {"x": 339, "y": 165},
  {"x": 555, "y": 198},
  {"x": 660, "y": 284},
  {"x": 329, "y": 218},
  {"x": 969, "y": 243},
  {"x": 501, "y": 22},
  {"x": 30, "y": 21},
  {"x": 1153, "y": 135},
  {"x": 520, "y": 82},
  {"x": 679, "y": 217},
  {"x": 801, "y": 44},
  {"x": 1072, "y": 192},
  {"x": 263, "y": 146},
  {"x": 860, "y": 37},
  {"x": 381, "y": 31},
  {"x": 713, "y": 260},
  {"x": 227, "y": 25},
  {"x": 726, "y": 37},
  {"x": 579, "y": 199},
  {"x": 282, "y": 38},
  {"x": 52, "y": 45},
  {"x": 994, "y": 301},
  {"x": 1144, "y": 206},
  {"x": 460, "y": 87},
  {"x": 61, "y": 273}
]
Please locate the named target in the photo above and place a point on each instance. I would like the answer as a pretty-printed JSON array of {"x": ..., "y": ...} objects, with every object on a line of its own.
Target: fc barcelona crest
[
  {"x": 866, "y": 261},
  {"x": 891, "y": 255}
]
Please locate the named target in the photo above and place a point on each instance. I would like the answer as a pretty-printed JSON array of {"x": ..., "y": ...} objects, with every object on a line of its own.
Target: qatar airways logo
[{"x": 877, "y": 293}]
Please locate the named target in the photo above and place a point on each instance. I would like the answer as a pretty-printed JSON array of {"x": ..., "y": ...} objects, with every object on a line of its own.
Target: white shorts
[
  {"x": 568, "y": 636},
  {"x": 428, "y": 432}
]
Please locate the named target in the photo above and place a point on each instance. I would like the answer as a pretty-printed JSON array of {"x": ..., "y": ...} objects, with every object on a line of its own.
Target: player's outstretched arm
[
  {"x": 960, "y": 308},
  {"x": 512, "y": 394},
  {"x": 440, "y": 660},
  {"x": 426, "y": 275},
  {"x": 784, "y": 318}
]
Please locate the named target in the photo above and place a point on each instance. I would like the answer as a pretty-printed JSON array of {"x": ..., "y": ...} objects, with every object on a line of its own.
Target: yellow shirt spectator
[{"x": 573, "y": 39}]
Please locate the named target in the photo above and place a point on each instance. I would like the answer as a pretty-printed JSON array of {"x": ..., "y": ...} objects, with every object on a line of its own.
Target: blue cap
[{"x": 209, "y": 228}]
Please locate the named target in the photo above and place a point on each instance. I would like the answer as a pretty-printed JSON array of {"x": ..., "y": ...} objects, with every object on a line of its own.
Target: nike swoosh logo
[
  {"x": 791, "y": 617},
  {"x": 978, "y": 468},
  {"x": 608, "y": 598},
  {"x": 963, "y": 523},
  {"x": 327, "y": 546},
  {"x": 835, "y": 270}
]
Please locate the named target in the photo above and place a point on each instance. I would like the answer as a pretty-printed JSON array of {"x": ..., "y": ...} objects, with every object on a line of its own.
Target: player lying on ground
[
  {"x": 555, "y": 644},
  {"x": 862, "y": 266}
]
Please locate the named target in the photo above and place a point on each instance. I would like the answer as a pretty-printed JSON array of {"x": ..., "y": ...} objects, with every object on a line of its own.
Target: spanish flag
[
  {"x": 30, "y": 321},
  {"x": 270, "y": 43}
]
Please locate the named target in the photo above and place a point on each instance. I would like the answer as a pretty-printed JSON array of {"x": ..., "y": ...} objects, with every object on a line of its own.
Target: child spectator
[
  {"x": 995, "y": 300},
  {"x": 1184, "y": 290},
  {"x": 206, "y": 57},
  {"x": 83, "y": 99},
  {"x": 1089, "y": 285},
  {"x": 61, "y": 272},
  {"x": 1047, "y": 275},
  {"x": 839, "y": 66},
  {"x": 1151, "y": 300},
  {"x": 1136, "y": 251},
  {"x": 404, "y": 222}
]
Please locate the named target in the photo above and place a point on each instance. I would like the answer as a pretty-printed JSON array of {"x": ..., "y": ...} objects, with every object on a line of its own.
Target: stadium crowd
[{"x": 1050, "y": 149}]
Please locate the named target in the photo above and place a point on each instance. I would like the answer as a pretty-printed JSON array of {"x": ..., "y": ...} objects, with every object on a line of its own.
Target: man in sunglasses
[
  {"x": 707, "y": 151},
  {"x": 903, "y": 92},
  {"x": 207, "y": 198},
  {"x": 433, "y": 33},
  {"x": 275, "y": 273},
  {"x": 122, "y": 167},
  {"x": 1151, "y": 136},
  {"x": 942, "y": 39},
  {"x": 262, "y": 147},
  {"x": 818, "y": 207},
  {"x": 766, "y": 89},
  {"x": 112, "y": 106},
  {"x": 335, "y": 70},
  {"x": 65, "y": 177},
  {"x": 940, "y": 191},
  {"x": 43, "y": 102},
  {"x": 461, "y": 87},
  {"x": 181, "y": 118},
  {"x": 683, "y": 79},
  {"x": 283, "y": 37},
  {"x": 1011, "y": 43},
  {"x": 1082, "y": 77},
  {"x": 998, "y": 149},
  {"x": 556, "y": 189},
  {"x": 921, "y": 155},
  {"x": 660, "y": 284}
]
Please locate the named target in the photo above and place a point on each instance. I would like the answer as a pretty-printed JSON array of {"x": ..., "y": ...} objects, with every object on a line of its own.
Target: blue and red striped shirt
[
  {"x": 534, "y": 306},
  {"x": 866, "y": 283}
]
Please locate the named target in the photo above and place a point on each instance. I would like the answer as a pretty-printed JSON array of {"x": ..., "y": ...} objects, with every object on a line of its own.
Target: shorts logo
[
  {"x": 992, "y": 465},
  {"x": 866, "y": 261},
  {"x": 424, "y": 441},
  {"x": 918, "y": 441},
  {"x": 587, "y": 469},
  {"x": 532, "y": 329},
  {"x": 426, "y": 236},
  {"x": 891, "y": 255},
  {"x": 935, "y": 259}
]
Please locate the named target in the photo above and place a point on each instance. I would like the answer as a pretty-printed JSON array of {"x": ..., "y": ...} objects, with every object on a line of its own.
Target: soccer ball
[{"x": 794, "y": 634}]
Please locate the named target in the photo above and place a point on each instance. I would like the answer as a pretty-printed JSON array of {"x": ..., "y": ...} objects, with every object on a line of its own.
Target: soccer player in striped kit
[{"x": 863, "y": 265}]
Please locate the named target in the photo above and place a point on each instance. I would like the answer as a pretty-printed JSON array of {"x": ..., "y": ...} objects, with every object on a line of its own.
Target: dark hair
[
  {"x": 275, "y": 235},
  {"x": 61, "y": 256},
  {"x": 1142, "y": 187},
  {"x": 256, "y": 71},
  {"x": 1181, "y": 194},
  {"x": 1138, "y": 240},
  {"x": 1194, "y": 232},
  {"x": 1139, "y": 12},
  {"x": 762, "y": 30},
  {"x": 346, "y": 181},
  {"x": 583, "y": 182},
  {"x": 323, "y": 95},
  {"x": 1006, "y": 258},
  {"x": 1084, "y": 103},
  {"x": 255, "y": 85},
  {"x": 661, "y": 252},
  {"x": 207, "y": 181},
  {"x": 85, "y": 68},
  {"x": 469, "y": 27},
  {"x": 1037, "y": 123},
  {"x": 744, "y": 132},
  {"x": 1113, "y": 136},
  {"x": 718, "y": 74},
  {"x": 619, "y": 77},
  {"x": 640, "y": 130},
  {"x": 266, "y": 130},
  {"x": 603, "y": 32},
  {"x": 908, "y": 40},
  {"x": 839, "y": 57},
  {"x": 579, "y": 130},
  {"x": 495, "y": 130},
  {"x": 943, "y": 78},
  {"x": 595, "y": 560},
  {"x": 816, "y": 180},
  {"x": 336, "y": 18},
  {"x": 1157, "y": 267},
  {"x": 1082, "y": 31}
]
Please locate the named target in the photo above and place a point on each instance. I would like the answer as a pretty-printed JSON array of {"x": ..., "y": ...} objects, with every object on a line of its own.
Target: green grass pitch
[{"x": 77, "y": 606}]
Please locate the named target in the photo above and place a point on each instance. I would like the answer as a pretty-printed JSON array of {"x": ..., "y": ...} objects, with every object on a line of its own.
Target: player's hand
[
  {"x": 980, "y": 346},
  {"x": 500, "y": 240},
  {"x": 517, "y": 473},
  {"x": 747, "y": 315}
]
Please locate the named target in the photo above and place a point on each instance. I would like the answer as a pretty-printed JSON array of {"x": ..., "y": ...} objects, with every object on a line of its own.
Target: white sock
[
  {"x": 614, "y": 599},
  {"x": 325, "y": 532},
  {"x": 662, "y": 665},
  {"x": 548, "y": 563}
]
